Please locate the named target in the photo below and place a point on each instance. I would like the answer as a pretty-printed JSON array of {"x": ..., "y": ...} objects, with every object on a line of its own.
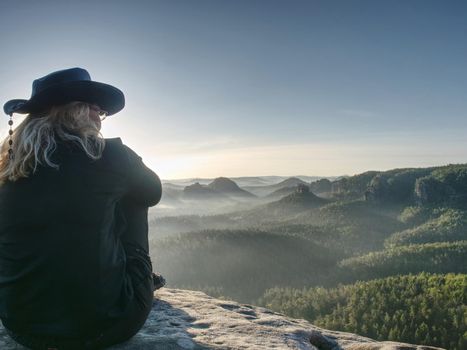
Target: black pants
[{"x": 139, "y": 270}]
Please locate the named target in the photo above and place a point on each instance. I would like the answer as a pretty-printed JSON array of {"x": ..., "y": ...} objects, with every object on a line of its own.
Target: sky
[{"x": 259, "y": 87}]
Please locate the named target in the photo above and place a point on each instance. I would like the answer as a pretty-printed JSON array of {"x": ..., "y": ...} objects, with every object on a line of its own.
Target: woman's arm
[{"x": 144, "y": 185}]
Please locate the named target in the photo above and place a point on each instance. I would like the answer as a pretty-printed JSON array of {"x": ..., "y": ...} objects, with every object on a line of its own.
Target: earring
[{"x": 10, "y": 140}]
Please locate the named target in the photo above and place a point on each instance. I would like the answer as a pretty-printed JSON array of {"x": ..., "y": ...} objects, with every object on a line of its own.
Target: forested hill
[
  {"x": 426, "y": 309},
  {"x": 381, "y": 254},
  {"x": 445, "y": 185}
]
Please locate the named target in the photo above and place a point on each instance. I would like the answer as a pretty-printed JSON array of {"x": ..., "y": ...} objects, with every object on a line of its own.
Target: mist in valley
[{"x": 281, "y": 242}]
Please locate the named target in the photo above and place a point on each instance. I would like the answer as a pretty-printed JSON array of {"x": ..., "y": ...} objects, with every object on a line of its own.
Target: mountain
[
  {"x": 321, "y": 186},
  {"x": 251, "y": 181},
  {"x": 301, "y": 198},
  {"x": 265, "y": 190},
  {"x": 243, "y": 181},
  {"x": 445, "y": 185},
  {"x": 187, "y": 182},
  {"x": 281, "y": 192},
  {"x": 291, "y": 181},
  {"x": 300, "y": 201},
  {"x": 202, "y": 192},
  {"x": 229, "y": 187},
  {"x": 221, "y": 188}
]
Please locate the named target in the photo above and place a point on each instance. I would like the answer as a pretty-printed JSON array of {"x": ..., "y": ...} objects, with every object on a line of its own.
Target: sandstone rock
[{"x": 189, "y": 320}]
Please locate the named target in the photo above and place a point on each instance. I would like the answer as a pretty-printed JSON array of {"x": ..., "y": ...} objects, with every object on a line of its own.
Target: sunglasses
[{"x": 100, "y": 112}]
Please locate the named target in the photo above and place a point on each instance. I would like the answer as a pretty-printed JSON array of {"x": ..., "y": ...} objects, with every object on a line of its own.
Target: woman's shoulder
[
  {"x": 113, "y": 142},
  {"x": 115, "y": 148}
]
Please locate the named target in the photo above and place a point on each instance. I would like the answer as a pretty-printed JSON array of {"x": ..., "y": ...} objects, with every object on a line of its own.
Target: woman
[{"x": 75, "y": 271}]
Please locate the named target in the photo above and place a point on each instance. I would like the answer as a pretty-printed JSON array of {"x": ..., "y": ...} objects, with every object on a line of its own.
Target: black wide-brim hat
[{"x": 66, "y": 86}]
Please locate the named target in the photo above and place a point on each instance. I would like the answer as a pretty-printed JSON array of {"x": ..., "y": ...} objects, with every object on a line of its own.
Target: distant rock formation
[
  {"x": 285, "y": 191},
  {"x": 291, "y": 181},
  {"x": 301, "y": 188},
  {"x": 321, "y": 186},
  {"x": 182, "y": 320},
  {"x": 263, "y": 191},
  {"x": 431, "y": 191},
  {"x": 221, "y": 188},
  {"x": 301, "y": 198},
  {"x": 229, "y": 187},
  {"x": 353, "y": 186},
  {"x": 198, "y": 191}
]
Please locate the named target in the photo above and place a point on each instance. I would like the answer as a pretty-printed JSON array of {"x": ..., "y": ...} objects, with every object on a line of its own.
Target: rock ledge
[{"x": 185, "y": 320}]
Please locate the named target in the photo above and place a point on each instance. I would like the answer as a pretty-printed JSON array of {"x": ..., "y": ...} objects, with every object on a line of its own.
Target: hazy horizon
[
  {"x": 259, "y": 87},
  {"x": 302, "y": 175}
]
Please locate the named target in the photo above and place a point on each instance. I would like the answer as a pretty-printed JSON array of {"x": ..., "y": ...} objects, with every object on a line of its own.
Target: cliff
[{"x": 183, "y": 319}]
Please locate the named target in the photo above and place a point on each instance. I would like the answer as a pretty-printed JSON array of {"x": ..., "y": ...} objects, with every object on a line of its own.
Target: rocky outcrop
[
  {"x": 183, "y": 319},
  {"x": 221, "y": 188},
  {"x": 321, "y": 186},
  {"x": 229, "y": 187},
  {"x": 200, "y": 192},
  {"x": 301, "y": 199},
  {"x": 263, "y": 191},
  {"x": 431, "y": 191}
]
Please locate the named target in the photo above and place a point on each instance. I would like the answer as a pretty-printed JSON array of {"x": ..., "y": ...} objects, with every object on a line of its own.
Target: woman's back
[{"x": 59, "y": 241}]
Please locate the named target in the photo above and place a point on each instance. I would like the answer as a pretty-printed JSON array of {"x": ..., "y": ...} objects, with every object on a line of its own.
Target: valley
[{"x": 285, "y": 243}]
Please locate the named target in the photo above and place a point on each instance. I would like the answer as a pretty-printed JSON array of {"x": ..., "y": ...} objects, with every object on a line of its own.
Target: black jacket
[{"x": 62, "y": 264}]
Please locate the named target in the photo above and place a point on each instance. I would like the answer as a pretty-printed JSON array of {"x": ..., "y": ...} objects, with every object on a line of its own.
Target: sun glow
[{"x": 290, "y": 160}]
